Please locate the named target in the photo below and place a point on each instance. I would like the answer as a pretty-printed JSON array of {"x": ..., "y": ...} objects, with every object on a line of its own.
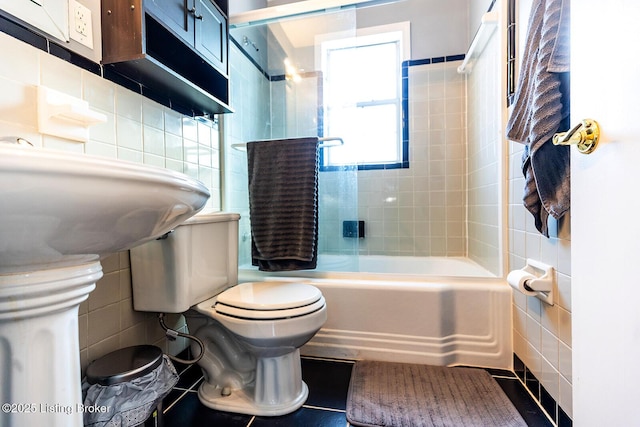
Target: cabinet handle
[{"x": 193, "y": 12}]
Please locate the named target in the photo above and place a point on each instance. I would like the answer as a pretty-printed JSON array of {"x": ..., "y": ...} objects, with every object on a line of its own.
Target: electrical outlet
[{"x": 81, "y": 29}]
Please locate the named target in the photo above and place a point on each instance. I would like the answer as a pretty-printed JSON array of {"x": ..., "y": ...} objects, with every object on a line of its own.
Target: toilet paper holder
[{"x": 542, "y": 285}]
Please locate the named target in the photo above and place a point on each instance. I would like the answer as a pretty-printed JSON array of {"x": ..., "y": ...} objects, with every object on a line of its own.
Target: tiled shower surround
[{"x": 419, "y": 211}]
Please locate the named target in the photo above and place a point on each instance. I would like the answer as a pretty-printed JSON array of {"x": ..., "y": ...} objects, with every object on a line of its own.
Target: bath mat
[{"x": 410, "y": 395}]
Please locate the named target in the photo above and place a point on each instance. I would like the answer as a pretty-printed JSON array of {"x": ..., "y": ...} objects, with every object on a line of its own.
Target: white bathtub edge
[
  {"x": 463, "y": 321},
  {"x": 493, "y": 350}
]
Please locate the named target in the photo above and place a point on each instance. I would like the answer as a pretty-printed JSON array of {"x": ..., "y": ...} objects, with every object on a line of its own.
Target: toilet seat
[{"x": 269, "y": 300}]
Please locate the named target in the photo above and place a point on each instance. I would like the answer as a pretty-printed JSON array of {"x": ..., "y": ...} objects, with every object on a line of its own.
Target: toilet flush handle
[
  {"x": 15, "y": 140},
  {"x": 165, "y": 235}
]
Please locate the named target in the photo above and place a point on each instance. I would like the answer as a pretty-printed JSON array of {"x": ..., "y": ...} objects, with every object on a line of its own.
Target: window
[{"x": 363, "y": 101}]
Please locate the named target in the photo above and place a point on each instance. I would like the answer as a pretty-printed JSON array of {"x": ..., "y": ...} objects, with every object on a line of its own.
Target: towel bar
[{"x": 242, "y": 146}]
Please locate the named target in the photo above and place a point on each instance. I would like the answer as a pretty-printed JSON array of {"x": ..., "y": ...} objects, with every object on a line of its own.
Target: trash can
[{"x": 124, "y": 387}]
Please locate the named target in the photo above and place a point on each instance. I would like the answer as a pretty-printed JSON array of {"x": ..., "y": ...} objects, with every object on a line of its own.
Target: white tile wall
[
  {"x": 107, "y": 320},
  {"x": 137, "y": 129},
  {"x": 542, "y": 333},
  {"x": 250, "y": 97},
  {"x": 544, "y": 345},
  {"x": 420, "y": 211}
]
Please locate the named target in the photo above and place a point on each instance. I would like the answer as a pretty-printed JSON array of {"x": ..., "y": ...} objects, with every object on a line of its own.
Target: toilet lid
[{"x": 269, "y": 300}]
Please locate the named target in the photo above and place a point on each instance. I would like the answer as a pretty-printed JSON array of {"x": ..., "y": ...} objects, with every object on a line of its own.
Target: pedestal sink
[{"x": 59, "y": 212}]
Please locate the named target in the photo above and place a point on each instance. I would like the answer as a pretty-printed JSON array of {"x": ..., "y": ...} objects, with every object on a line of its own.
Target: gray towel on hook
[
  {"x": 283, "y": 203},
  {"x": 541, "y": 108}
]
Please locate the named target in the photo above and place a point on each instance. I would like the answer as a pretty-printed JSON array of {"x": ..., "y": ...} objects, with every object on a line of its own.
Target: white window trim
[
  {"x": 343, "y": 38},
  {"x": 364, "y": 37}
]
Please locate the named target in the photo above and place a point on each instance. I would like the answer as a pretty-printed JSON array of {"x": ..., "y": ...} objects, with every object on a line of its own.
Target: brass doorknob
[{"x": 584, "y": 136}]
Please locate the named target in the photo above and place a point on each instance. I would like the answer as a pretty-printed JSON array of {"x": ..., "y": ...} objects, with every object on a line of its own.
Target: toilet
[{"x": 252, "y": 332}]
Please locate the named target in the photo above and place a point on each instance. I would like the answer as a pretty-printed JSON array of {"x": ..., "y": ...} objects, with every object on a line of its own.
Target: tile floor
[{"x": 328, "y": 382}]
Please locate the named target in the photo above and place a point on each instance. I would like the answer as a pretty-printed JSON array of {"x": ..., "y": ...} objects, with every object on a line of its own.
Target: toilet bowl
[
  {"x": 267, "y": 337},
  {"x": 251, "y": 332}
]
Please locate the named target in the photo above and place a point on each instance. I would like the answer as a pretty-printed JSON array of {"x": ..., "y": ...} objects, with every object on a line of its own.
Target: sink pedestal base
[{"x": 39, "y": 350}]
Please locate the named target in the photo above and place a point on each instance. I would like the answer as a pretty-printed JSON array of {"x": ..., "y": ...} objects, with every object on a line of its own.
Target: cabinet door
[
  {"x": 211, "y": 34},
  {"x": 175, "y": 15}
]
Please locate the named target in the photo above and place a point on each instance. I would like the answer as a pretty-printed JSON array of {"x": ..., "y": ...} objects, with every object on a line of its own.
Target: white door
[{"x": 605, "y": 214}]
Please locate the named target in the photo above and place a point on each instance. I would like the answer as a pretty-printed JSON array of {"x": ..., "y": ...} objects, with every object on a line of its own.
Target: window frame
[{"x": 371, "y": 36}]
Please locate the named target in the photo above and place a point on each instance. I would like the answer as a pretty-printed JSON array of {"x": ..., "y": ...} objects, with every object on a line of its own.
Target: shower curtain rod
[
  {"x": 324, "y": 143},
  {"x": 273, "y": 13}
]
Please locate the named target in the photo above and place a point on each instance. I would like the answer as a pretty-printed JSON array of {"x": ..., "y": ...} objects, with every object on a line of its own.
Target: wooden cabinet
[
  {"x": 211, "y": 39},
  {"x": 174, "y": 47},
  {"x": 174, "y": 15},
  {"x": 199, "y": 23}
]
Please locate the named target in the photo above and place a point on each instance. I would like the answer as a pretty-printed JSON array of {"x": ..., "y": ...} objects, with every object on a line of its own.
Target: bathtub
[{"x": 410, "y": 316}]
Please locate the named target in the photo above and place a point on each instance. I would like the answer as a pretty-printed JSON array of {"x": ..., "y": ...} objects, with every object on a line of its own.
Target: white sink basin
[
  {"x": 58, "y": 213},
  {"x": 56, "y": 206}
]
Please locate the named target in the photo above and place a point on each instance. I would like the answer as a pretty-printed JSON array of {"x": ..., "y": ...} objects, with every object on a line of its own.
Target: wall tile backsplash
[{"x": 138, "y": 130}]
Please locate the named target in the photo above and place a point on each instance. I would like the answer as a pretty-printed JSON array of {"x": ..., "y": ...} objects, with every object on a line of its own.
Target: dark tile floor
[{"x": 328, "y": 382}]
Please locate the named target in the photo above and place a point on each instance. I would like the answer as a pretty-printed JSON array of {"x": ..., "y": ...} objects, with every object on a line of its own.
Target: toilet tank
[{"x": 196, "y": 261}]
